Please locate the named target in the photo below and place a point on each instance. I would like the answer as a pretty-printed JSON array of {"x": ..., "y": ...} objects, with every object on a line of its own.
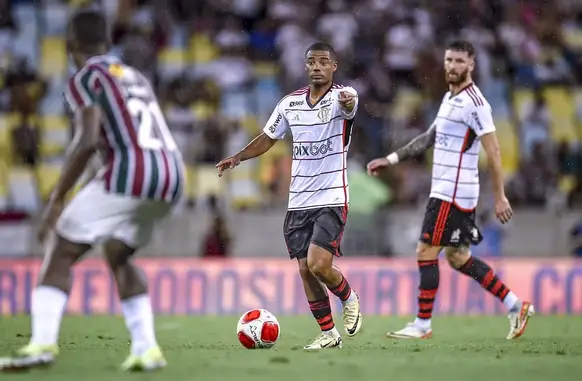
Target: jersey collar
[
  {"x": 103, "y": 58},
  {"x": 460, "y": 91},
  {"x": 307, "y": 96}
]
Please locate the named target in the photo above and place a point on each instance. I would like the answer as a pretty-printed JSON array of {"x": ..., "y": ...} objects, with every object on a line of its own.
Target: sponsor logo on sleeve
[
  {"x": 275, "y": 124},
  {"x": 476, "y": 120}
]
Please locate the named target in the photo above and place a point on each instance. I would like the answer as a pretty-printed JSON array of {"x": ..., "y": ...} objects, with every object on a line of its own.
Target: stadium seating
[
  {"x": 4, "y": 160},
  {"x": 201, "y": 49},
  {"x": 508, "y": 144},
  {"x": 24, "y": 188},
  {"x": 56, "y": 134},
  {"x": 43, "y": 43},
  {"x": 406, "y": 101},
  {"x": 53, "y": 57},
  {"x": 561, "y": 104}
]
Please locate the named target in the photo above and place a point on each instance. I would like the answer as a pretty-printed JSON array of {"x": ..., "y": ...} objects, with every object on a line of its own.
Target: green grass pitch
[{"x": 206, "y": 348}]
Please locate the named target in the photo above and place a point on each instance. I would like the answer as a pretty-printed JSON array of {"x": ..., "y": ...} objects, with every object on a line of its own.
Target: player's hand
[
  {"x": 503, "y": 210},
  {"x": 49, "y": 217},
  {"x": 376, "y": 165},
  {"x": 347, "y": 100},
  {"x": 228, "y": 163}
]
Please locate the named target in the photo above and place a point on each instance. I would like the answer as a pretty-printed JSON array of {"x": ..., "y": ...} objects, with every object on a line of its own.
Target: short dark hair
[
  {"x": 89, "y": 28},
  {"x": 462, "y": 46},
  {"x": 322, "y": 47}
]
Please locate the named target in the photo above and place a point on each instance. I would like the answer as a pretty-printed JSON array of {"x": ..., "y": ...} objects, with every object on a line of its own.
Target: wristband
[{"x": 392, "y": 158}]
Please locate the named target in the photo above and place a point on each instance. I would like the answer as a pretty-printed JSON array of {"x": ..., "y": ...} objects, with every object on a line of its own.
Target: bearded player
[
  {"x": 464, "y": 122},
  {"x": 320, "y": 118},
  {"x": 116, "y": 113}
]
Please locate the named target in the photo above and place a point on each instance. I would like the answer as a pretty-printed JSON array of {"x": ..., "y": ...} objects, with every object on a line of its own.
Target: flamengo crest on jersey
[
  {"x": 321, "y": 139},
  {"x": 142, "y": 159},
  {"x": 461, "y": 120}
]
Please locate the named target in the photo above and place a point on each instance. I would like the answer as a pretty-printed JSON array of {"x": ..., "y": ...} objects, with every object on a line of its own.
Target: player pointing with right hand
[{"x": 320, "y": 119}]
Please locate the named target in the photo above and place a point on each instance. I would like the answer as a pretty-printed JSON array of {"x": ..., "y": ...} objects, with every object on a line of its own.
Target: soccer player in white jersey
[
  {"x": 320, "y": 119},
  {"x": 116, "y": 113},
  {"x": 464, "y": 121}
]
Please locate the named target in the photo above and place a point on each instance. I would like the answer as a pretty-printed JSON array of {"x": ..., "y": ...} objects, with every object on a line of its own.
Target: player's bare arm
[
  {"x": 417, "y": 146},
  {"x": 81, "y": 150},
  {"x": 491, "y": 146},
  {"x": 256, "y": 147},
  {"x": 90, "y": 176}
]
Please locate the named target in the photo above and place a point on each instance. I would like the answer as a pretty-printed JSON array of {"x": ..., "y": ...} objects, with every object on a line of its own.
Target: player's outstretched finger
[{"x": 221, "y": 167}]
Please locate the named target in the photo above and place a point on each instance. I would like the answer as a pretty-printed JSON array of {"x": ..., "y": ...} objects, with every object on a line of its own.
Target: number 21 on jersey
[{"x": 152, "y": 131}]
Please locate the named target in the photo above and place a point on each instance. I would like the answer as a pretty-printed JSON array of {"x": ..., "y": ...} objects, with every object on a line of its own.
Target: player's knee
[
  {"x": 58, "y": 262},
  {"x": 319, "y": 267},
  {"x": 116, "y": 260},
  {"x": 304, "y": 271},
  {"x": 426, "y": 252},
  {"x": 117, "y": 254},
  {"x": 457, "y": 257}
]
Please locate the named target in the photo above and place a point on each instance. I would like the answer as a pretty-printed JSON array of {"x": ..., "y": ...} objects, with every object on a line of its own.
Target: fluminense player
[
  {"x": 464, "y": 122},
  {"x": 116, "y": 114},
  {"x": 320, "y": 119}
]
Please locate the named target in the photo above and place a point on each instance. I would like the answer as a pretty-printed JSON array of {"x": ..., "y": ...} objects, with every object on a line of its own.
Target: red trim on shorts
[{"x": 439, "y": 228}]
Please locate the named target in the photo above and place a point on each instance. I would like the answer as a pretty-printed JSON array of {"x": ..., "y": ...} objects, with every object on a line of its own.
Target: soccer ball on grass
[{"x": 258, "y": 329}]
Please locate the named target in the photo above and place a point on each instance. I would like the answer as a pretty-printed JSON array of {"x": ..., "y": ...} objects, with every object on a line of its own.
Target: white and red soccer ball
[{"x": 258, "y": 329}]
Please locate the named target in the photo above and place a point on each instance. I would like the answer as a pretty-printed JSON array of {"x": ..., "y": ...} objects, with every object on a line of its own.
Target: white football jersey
[
  {"x": 321, "y": 137},
  {"x": 462, "y": 119}
]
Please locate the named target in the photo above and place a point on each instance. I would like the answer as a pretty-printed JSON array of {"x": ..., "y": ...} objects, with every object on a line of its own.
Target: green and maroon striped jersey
[{"x": 142, "y": 158}]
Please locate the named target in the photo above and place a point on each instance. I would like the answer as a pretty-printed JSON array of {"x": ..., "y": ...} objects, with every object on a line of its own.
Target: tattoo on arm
[{"x": 418, "y": 145}]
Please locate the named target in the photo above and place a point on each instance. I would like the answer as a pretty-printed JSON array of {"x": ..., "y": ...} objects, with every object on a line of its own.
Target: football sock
[
  {"x": 343, "y": 291},
  {"x": 321, "y": 310},
  {"x": 482, "y": 273},
  {"x": 429, "y": 284},
  {"x": 47, "y": 308},
  {"x": 332, "y": 332},
  {"x": 139, "y": 320}
]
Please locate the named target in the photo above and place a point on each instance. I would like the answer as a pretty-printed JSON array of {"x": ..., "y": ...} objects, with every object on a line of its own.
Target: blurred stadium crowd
[{"x": 220, "y": 66}]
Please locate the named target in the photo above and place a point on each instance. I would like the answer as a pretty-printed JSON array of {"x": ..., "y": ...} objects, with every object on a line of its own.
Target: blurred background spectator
[{"x": 220, "y": 66}]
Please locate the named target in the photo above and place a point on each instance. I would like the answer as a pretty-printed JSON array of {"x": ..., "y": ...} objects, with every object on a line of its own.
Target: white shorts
[{"x": 94, "y": 215}]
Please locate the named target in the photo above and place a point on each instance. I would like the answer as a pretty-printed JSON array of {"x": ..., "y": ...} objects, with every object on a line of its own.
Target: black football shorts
[
  {"x": 322, "y": 226},
  {"x": 448, "y": 226}
]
